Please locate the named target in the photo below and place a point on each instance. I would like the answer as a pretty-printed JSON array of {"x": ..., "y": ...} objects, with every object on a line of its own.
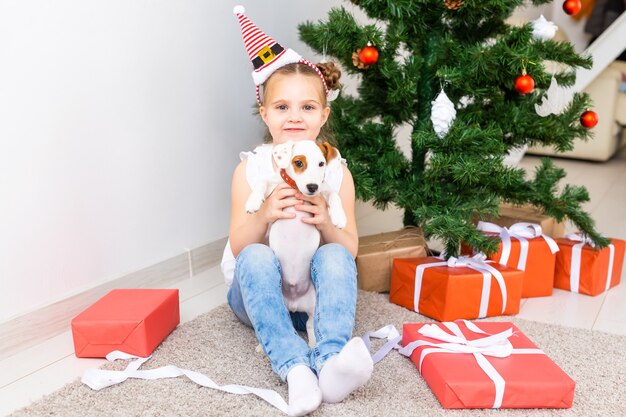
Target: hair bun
[{"x": 331, "y": 73}]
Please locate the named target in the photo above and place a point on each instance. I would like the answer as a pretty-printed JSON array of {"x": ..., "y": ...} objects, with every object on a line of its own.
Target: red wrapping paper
[
  {"x": 537, "y": 259},
  {"x": 134, "y": 321},
  {"x": 452, "y": 293},
  {"x": 594, "y": 266},
  {"x": 539, "y": 270},
  {"x": 457, "y": 380}
]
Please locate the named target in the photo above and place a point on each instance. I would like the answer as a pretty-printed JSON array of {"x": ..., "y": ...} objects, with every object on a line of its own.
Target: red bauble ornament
[
  {"x": 524, "y": 83},
  {"x": 369, "y": 55},
  {"x": 589, "y": 119},
  {"x": 572, "y": 7}
]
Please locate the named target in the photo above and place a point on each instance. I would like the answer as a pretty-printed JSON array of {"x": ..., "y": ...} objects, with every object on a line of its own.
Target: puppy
[{"x": 302, "y": 165}]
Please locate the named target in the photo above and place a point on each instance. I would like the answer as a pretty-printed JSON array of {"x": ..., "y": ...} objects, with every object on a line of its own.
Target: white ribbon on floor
[
  {"x": 497, "y": 345},
  {"x": 520, "y": 231},
  {"x": 388, "y": 332},
  {"x": 574, "y": 276},
  {"x": 97, "y": 379},
  {"x": 491, "y": 345}
]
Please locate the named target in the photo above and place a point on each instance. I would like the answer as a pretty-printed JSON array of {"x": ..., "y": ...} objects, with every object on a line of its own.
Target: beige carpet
[{"x": 217, "y": 345}]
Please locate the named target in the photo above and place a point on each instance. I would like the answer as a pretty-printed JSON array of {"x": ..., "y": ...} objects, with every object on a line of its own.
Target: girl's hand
[
  {"x": 318, "y": 209},
  {"x": 282, "y": 197}
]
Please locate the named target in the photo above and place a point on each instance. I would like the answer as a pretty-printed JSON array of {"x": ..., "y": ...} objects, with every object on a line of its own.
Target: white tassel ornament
[{"x": 442, "y": 114}]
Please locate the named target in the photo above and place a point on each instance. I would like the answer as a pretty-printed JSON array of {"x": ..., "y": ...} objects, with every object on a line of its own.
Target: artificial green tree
[{"x": 467, "y": 50}]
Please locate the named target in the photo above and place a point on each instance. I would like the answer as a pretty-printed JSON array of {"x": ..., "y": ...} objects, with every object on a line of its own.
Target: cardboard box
[
  {"x": 134, "y": 321},
  {"x": 458, "y": 380},
  {"x": 376, "y": 253},
  {"x": 450, "y": 293},
  {"x": 534, "y": 255},
  {"x": 511, "y": 214},
  {"x": 582, "y": 268}
]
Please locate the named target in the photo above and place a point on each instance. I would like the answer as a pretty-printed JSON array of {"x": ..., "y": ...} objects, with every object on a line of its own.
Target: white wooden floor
[{"x": 39, "y": 370}]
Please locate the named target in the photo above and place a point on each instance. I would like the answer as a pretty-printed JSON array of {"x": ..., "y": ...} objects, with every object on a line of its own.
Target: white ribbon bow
[
  {"x": 522, "y": 232},
  {"x": 477, "y": 263},
  {"x": 574, "y": 276},
  {"x": 584, "y": 239}
]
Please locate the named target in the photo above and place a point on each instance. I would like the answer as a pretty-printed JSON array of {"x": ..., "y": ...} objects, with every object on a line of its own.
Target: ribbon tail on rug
[{"x": 98, "y": 379}]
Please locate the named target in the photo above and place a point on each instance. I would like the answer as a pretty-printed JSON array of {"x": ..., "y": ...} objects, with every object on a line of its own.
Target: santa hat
[{"x": 265, "y": 53}]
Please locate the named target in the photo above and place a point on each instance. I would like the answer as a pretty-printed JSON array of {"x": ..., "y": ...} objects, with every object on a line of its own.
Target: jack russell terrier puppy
[{"x": 301, "y": 164}]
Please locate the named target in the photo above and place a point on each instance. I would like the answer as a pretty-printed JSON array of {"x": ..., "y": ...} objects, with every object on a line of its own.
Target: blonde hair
[{"x": 331, "y": 75}]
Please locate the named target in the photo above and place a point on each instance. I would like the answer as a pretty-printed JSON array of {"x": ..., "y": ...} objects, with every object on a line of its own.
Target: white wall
[
  {"x": 574, "y": 29},
  {"x": 120, "y": 125}
]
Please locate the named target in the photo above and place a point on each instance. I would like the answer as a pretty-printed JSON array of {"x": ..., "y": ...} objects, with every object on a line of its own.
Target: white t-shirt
[{"x": 259, "y": 167}]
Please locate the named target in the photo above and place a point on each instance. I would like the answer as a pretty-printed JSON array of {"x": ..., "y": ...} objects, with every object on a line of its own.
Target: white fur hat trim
[{"x": 288, "y": 57}]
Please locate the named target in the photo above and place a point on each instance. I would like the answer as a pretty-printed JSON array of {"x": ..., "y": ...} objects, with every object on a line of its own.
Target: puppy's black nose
[{"x": 312, "y": 188}]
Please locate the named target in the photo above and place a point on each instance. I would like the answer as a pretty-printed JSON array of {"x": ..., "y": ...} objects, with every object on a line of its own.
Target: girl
[{"x": 293, "y": 104}]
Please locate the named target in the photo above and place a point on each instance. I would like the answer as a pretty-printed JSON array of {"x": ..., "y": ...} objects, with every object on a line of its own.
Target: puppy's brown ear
[{"x": 329, "y": 151}]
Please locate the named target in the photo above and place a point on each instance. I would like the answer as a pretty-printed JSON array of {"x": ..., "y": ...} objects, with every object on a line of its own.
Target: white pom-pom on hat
[{"x": 239, "y": 9}]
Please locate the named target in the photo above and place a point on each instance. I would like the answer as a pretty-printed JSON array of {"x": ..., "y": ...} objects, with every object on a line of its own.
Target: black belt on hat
[{"x": 266, "y": 54}]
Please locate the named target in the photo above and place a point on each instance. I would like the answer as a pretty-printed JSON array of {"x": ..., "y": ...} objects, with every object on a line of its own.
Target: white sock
[
  {"x": 348, "y": 370},
  {"x": 304, "y": 392}
]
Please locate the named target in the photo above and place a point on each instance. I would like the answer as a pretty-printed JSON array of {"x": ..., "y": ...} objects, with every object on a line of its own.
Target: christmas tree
[{"x": 462, "y": 79}]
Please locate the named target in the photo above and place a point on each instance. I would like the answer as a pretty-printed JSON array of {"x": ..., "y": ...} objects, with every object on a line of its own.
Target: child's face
[{"x": 292, "y": 108}]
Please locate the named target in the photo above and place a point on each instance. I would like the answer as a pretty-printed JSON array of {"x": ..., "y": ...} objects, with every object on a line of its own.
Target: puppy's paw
[
  {"x": 338, "y": 218},
  {"x": 253, "y": 205}
]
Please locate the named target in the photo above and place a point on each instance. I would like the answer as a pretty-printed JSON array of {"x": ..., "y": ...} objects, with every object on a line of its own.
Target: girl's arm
[
  {"x": 247, "y": 228},
  {"x": 348, "y": 236}
]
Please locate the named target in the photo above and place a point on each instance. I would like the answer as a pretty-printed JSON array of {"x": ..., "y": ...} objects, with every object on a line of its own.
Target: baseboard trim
[{"x": 35, "y": 327}]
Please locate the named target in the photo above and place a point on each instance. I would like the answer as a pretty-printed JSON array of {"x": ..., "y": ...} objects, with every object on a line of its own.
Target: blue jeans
[{"x": 256, "y": 298}]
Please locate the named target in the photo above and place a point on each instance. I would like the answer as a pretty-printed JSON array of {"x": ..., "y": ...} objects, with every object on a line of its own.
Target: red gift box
[
  {"x": 485, "y": 365},
  {"x": 584, "y": 269},
  {"x": 524, "y": 247},
  {"x": 463, "y": 288},
  {"x": 134, "y": 321}
]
